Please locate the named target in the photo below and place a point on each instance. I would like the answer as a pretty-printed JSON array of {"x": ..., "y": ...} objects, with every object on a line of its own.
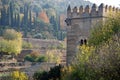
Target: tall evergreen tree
[
  {"x": 26, "y": 14},
  {"x": 18, "y": 20},
  {"x": 3, "y": 16},
  {"x": 30, "y": 16},
  {"x": 11, "y": 14}
]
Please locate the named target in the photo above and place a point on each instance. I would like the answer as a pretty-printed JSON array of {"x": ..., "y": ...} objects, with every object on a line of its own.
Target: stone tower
[{"x": 80, "y": 21}]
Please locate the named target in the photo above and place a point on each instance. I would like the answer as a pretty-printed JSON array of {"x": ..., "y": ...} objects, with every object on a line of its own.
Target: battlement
[
  {"x": 81, "y": 21},
  {"x": 94, "y": 11}
]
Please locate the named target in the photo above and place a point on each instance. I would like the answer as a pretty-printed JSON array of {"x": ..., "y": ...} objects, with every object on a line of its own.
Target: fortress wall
[
  {"x": 94, "y": 11},
  {"x": 80, "y": 21}
]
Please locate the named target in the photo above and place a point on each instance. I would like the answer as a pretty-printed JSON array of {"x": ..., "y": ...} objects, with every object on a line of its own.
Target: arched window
[
  {"x": 81, "y": 42},
  {"x": 85, "y": 41}
]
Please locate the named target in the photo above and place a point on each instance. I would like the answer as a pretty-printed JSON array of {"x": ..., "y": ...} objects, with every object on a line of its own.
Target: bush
[
  {"x": 53, "y": 74},
  {"x": 41, "y": 76},
  {"x": 16, "y": 75},
  {"x": 41, "y": 59},
  {"x": 26, "y": 45},
  {"x": 35, "y": 57},
  {"x": 29, "y": 58}
]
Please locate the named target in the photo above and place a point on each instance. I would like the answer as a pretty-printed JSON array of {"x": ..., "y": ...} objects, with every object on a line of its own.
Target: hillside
[
  {"x": 36, "y": 18},
  {"x": 59, "y": 6}
]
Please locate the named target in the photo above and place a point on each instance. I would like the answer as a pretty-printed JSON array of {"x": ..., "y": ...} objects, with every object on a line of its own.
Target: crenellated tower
[{"x": 80, "y": 21}]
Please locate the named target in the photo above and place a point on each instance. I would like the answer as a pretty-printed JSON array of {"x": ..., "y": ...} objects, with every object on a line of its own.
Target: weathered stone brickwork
[{"x": 80, "y": 21}]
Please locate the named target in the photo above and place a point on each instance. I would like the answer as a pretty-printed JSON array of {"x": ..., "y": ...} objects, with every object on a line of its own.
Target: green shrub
[
  {"x": 53, "y": 74},
  {"x": 35, "y": 57},
  {"x": 26, "y": 45}
]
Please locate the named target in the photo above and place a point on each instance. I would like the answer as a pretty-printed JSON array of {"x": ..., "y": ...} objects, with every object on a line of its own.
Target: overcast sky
[{"x": 109, "y": 2}]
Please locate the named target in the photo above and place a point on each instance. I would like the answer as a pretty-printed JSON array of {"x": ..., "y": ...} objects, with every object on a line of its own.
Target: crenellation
[
  {"x": 75, "y": 13},
  {"x": 94, "y": 11},
  {"x": 94, "y": 8},
  {"x": 81, "y": 10},
  {"x": 75, "y": 10},
  {"x": 106, "y": 8},
  {"x": 110, "y": 8},
  {"x": 87, "y": 9},
  {"x": 117, "y": 10},
  {"x": 69, "y": 12},
  {"x": 113, "y": 9},
  {"x": 102, "y": 5},
  {"x": 101, "y": 10},
  {"x": 69, "y": 8}
]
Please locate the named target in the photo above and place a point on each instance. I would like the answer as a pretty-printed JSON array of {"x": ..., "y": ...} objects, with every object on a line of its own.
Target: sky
[{"x": 115, "y": 3}]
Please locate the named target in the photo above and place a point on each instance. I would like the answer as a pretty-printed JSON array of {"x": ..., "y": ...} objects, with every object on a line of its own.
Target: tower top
[
  {"x": 94, "y": 11},
  {"x": 69, "y": 8}
]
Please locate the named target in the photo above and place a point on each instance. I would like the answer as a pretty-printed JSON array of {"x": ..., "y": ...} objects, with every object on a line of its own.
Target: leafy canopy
[{"x": 11, "y": 42}]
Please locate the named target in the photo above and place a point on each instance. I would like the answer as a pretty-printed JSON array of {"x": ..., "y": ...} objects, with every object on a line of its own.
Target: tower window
[{"x": 83, "y": 41}]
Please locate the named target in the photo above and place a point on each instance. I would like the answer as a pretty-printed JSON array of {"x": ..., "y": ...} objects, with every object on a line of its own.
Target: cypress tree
[
  {"x": 15, "y": 20},
  {"x": 18, "y": 20},
  {"x": 11, "y": 14},
  {"x": 25, "y": 14},
  {"x": 3, "y": 16},
  {"x": 30, "y": 20}
]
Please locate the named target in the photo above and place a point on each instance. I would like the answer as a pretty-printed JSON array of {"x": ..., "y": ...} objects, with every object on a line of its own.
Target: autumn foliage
[{"x": 43, "y": 16}]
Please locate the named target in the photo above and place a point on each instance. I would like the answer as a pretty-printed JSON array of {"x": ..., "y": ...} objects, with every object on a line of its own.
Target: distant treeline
[{"x": 36, "y": 19}]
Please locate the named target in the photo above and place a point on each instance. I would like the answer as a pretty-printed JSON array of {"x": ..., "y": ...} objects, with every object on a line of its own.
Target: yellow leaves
[
  {"x": 84, "y": 53},
  {"x": 16, "y": 75},
  {"x": 67, "y": 69},
  {"x": 10, "y": 46},
  {"x": 11, "y": 34},
  {"x": 86, "y": 49},
  {"x": 70, "y": 68},
  {"x": 54, "y": 56},
  {"x": 67, "y": 72},
  {"x": 11, "y": 42}
]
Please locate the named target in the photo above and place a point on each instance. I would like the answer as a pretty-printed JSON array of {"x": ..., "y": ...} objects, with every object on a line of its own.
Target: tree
[
  {"x": 54, "y": 56},
  {"x": 26, "y": 10},
  {"x": 11, "y": 20},
  {"x": 5, "y": 2},
  {"x": 17, "y": 75},
  {"x": 53, "y": 74},
  {"x": 53, "y": 21},
  {"x": 11, "y": 34},
  {"x": 26, "y": 45},
  {"x": 104, "y": 31},
  {"x": 80, "y": 69},
  {"x": 11, "y": 42},
  {"x": 35, "y": 57},
  {"x": 43, "y": 16}
]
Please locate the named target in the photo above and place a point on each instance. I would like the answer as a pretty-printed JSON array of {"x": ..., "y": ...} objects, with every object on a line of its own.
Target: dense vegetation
[
  {"x": 11, "y": 42},
  {"x": 35, "y": 57},
  {"x": 17, "y": 75},
  {"x": 101, "y": 57},
  {"x": 98, "y": 60},
  {"x": 37, "y": 18},
  {"x": 53, "y": 74}
]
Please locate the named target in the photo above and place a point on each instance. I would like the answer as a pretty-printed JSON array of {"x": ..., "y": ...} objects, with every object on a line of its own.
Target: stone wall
[
  {"x": 80, "y": 21},
  {"x": 42, "y": 43}
]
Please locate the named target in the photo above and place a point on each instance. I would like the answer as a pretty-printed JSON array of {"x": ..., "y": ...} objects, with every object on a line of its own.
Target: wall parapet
[{"x": 94, "y": 11}]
